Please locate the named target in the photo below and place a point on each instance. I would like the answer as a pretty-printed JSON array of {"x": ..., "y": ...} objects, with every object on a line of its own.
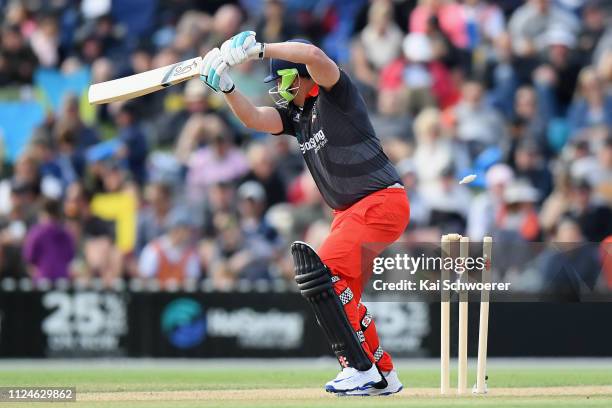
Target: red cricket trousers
[{"x": 379, "y": 218}]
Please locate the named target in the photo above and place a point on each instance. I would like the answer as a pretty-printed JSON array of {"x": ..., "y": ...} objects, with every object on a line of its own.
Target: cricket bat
[{"x": 136, "y": 85}]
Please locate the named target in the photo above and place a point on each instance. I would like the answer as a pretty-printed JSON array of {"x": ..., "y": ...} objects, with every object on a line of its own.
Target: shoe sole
[
  {"x": 382, "y": 394},
  {"x": 333, "y": 390}
]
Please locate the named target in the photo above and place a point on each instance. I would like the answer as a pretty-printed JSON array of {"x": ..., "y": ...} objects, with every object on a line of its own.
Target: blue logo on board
[{"x": 184, "y": 323}]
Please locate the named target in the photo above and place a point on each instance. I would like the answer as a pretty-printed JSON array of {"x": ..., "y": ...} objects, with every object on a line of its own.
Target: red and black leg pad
[{"x": 315, "y": 284}]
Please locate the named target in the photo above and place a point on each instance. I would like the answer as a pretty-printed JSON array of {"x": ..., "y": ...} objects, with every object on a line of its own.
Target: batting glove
[
  {"x": 241, "y": 48},
  {"x": 214, "y": 72}
]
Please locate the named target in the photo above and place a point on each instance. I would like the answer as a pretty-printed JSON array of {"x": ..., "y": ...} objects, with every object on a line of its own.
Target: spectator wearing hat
[
  {"x": 49, "y": 248},
  {"x": 530, "y": 22},
  {"x": 171, "y": 257},
  {"x": 255, "y": 227},
  {"x": 556, "y": 77},
  {"x": 517, "y": 219},
  {"x": 419, "y": 76}
]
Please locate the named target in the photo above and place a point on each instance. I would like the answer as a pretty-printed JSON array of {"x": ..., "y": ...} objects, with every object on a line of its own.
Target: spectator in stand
[
  {"x": 376, "y": 46},
  {"x": 171, "y": 125},
  {"x": 529, "y": 165},
  {"x": 17, "y": 61},
  {"x": 517, "y": 219},
  {"x": 484, "y": 23},
  {"x": 478, "y": 125},
  {"x": 116, "y": 201},
  {"x": 97, "y": 256},
  {"x": 220, "y": 201},
  {"x": 502, "y": 72},
  {"x": 592, "y": 105},
  {"x": 264, "y": 242},
  {"x": 171, "y": 257},
  {"x": 435, "y": 151},
  {"x": 69, "y": 116},
  {"x": 422, "y": 80},
  {"x": 134, "y": 149},
  {"x": 531, "y": 22},
  {"x": 45, "y": 41},
  {"x": 558, "y": 202},
  {"x": 447, "y": 200},
  {"x": 153, "y": 218},
  {"x": 528, "y": 122},
  {"x": 226, "y": 22},
  {"x": 555, "y": 79},
  {"x": 220, "y": 161},
  {"x": 264, "y": 171},
  {"x": 592, "y": 29},
  {"x": 573, "y": 265},
  {"x": 49, "y": 248},
  {"x": 486, "y": 205},
  {"x": 232, "y": 256},
  {"x": 14, "y": 226},
  {"x": 274, "y": 25},
  {"x": 25, "y": 172},
  {"x": 595, "y": 219},
  {"x": 450, "y": 17}
]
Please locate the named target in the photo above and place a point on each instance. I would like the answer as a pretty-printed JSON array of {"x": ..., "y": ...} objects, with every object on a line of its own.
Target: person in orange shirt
[{"x": 171, "y": 257}]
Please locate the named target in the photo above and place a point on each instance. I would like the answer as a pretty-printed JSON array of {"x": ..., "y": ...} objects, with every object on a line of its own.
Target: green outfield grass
[{"x": 284, "y": 387}]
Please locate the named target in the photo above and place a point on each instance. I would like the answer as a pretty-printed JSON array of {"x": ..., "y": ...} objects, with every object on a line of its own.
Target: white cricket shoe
[
  {"x": 394, "y": 385},
  {"x": 350, "y": 379}
]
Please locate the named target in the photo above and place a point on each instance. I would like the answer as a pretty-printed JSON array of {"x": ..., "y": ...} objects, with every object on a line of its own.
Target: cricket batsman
[{"x": 317, "y": 103}]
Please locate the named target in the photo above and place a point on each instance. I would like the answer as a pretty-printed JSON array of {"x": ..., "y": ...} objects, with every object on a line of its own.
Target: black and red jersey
[{"x": 339, "y": 145}]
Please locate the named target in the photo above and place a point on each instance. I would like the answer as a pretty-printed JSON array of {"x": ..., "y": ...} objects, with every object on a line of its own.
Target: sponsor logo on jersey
[{"x": 316, "y": 142}]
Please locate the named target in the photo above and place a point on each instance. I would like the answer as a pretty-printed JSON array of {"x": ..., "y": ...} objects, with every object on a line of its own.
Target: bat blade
[{"x": 136, "y": 85}]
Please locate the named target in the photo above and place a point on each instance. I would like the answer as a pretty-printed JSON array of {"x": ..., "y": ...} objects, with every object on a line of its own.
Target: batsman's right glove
[{"x": 214, "y": 72}]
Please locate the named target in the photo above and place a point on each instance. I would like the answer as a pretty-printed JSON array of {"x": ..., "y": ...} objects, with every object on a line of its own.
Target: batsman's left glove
[{"x": 241, "y": 47}]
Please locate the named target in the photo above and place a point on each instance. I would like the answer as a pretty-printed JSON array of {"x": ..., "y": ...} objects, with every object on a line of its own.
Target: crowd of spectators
[{"x": 171, "y": 185}]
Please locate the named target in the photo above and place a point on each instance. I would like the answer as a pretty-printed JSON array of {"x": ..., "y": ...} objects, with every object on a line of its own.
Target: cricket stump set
[{"x": 449, "y": 243}]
